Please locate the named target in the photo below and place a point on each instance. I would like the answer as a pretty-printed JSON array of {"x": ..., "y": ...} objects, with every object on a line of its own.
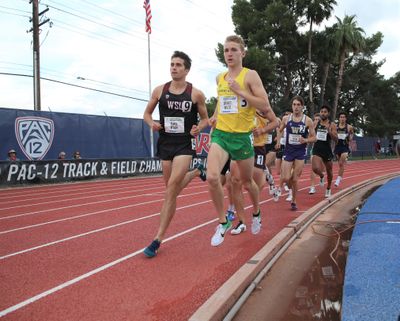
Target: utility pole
[{"x": 36, "y": 51}]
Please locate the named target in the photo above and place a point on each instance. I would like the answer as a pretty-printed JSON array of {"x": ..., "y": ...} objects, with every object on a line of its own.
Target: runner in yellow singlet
[{"x": 240, "y": 94}]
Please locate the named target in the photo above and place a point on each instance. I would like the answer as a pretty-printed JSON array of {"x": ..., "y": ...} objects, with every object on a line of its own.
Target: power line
[
  {"x": 82, "y": 31},
  {"x": 13, "y": 9},
  {"x": 140, "y": 23},
  {"x": 90, "y": 20},
  {"x": 14, "y": 14},
  {"x": 78, "y": 86},
  {"x": 114, "y": 27}
]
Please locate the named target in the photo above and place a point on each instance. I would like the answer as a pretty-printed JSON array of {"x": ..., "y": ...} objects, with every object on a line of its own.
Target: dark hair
[
  {"x": 325, "y": 107},
  {"x": 299, "y": 98},
  {"x": 342, "y": 113},
  {"x": 186, "y": 59}
]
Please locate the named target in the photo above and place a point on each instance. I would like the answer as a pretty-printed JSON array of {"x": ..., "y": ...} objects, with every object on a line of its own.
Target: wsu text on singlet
[{"x": 178, "y": 113}]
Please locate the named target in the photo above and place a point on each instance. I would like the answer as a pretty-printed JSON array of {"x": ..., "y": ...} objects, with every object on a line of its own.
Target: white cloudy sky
[{"x": 104, "y": 42}]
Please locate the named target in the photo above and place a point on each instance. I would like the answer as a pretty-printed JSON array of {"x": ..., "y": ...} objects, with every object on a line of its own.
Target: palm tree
[
  {"x": 316, "y": 12},
  {"x": 348, "y": 38},
  {"x": 326, "y": 57}
]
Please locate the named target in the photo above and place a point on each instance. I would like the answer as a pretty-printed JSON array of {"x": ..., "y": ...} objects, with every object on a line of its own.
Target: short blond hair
[{"x": 237, "y": 39}]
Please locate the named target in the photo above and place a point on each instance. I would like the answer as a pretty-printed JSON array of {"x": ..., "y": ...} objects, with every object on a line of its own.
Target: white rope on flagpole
[
  {"x": 151, "y": 130},
  {"x": 146, "y": 6}
]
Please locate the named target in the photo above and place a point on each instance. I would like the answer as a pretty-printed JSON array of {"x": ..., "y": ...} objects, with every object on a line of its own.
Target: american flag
[{"x": 146, "y": 6}]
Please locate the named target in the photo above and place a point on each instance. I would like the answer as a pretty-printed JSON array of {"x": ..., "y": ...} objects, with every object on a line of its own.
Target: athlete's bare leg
[
  {"x": 174, "y": 173},
  {"x": 216, "y": 160}
]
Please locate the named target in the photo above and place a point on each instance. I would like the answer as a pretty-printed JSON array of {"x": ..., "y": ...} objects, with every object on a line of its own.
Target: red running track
[{"x": 74, "y": 251}]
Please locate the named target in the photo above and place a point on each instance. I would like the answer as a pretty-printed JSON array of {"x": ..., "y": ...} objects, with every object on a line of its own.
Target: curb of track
[{"x": 226, "y": 301}]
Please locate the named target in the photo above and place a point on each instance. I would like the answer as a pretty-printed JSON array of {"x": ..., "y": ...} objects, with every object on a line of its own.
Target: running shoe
[
  {"x": 271, "y": 189},
  {"x": 230, "y": 215},
  {"x": 286, "y": 188},
  {"x": 256, "y": 223},
  {"x": 152, "y": 249},
  {"x": 277, "y": 194},
  {"x": 312, "y": 190},
  {"x": 240, "y": 228},
  {"x": 328, "y": 193},
  {"x": 293, "y": 206},
  {"x": 337, "y": 182},
  {"x": 220, "y": 232},
  {"x": 322, "y": 181},
  {"x": 203, "y": 174},
  {"x": 289, "y": 198}
]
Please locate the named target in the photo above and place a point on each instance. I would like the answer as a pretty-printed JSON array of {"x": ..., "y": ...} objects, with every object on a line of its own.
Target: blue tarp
[{"x": 372, "y": 279}]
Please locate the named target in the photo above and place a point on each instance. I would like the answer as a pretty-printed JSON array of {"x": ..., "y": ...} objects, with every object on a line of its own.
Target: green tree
[
  {"x": 348, "y": 38},
  {"x": 316, "y": 11}
]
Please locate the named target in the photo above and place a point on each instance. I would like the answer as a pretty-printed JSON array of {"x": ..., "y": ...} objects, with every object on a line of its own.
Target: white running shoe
[
  {"x": 271, "y": 189},
  {"x": 312, "y": 190},
  {"x": 286, "y": 188},
  {"x": 289, "y": 198},
  {"x": 256, "y": 224},
  {"x": 328, "y": 193},
  {"x": 220, "y": 232},
  {"x": 240, "y": 228},
  {"x": 337, "y": 182},
  {"x": 277, "y": 194}
]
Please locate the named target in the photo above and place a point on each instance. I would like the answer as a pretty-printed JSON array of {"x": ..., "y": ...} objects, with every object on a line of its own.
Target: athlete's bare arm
[
  {"x": 351, "y": 132},
  {"x": 279, "y": 132},
  {"x": 333, "y": 131},
  {"x": 199, "y": 98},
  {"x": 151, "y": 105},
  {"x": 311, "y": 132}
]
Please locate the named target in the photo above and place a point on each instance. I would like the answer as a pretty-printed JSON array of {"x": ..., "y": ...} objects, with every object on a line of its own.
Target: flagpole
[
  {"x": 146, "y": 6},
  {"x": 149, "y": 67}
]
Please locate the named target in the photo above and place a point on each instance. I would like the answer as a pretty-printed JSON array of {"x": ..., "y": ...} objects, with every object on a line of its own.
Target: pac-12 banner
[{"x": 28, "y": 172}]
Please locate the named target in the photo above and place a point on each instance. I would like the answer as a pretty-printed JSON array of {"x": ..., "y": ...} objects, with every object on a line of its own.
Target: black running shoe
[
  {"x": 152, "y": 249},
  {"x": 203, "y": 174}
]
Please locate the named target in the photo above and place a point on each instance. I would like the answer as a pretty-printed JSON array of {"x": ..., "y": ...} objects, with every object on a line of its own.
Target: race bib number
[
  {"x": 269, "y": 139},
  {"x": 294, "y": 139},
  {"x": 228, "y": 104},
  {"x": 174, "y": 125},
  {"x": 322, "y": 135},
  {"x": 260, "y": 160},
  {"x": 342, "y": 136}
]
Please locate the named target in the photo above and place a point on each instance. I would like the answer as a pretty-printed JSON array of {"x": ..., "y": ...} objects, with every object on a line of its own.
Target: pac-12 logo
[{"x": 34, "y": 136}]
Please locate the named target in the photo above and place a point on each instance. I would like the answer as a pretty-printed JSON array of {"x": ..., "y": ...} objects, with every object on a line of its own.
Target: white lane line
[
  {"x": 92, "y": 272},
  {"x": 82, "y": 198},
  {"x": 72, "y": 187},
  {"x": 73, "y": 206},
  {"x": 91, "y": 213},
  {"x": 93, "y": 231},
  {"x": 95, "y": 192}
]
